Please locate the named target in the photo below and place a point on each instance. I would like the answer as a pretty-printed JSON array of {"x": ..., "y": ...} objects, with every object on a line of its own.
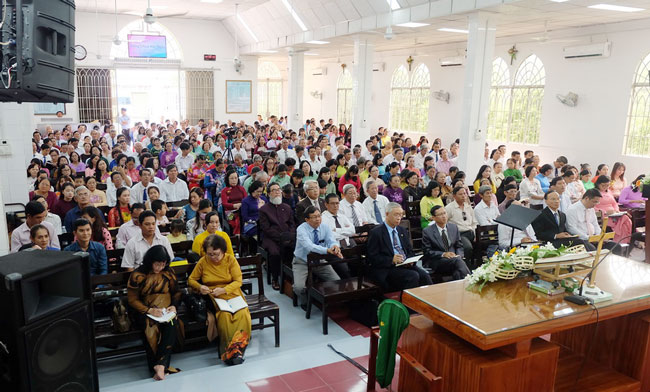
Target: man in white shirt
[
  {"x": 139, "y": 190},
  {"x": 285, "y": 152},
  {"x": 581, "y": 217},
  {"x": 185, "y": 159},
  {"x": 559, "y": 185},
  {"x": 124, "y": 120},
  {"x": 351, "y": 208},
  {"x": 460, "y": 213},
  {"x": 51, "y": 218},
  {"x": 375, "y": 204},
  {"x": 118, "y": 180},
  {"x": 314, "y": 160},
  {"x": 367, "y": 153},
  {"x": 341, "y": 226},
  {"x": 420, "y": 156},
  {"x": 142, "y": 242},
  {"x": 173, "y": 188},
  {"x": 486, "y": 211},
  {"x": 130, "y": 228}
]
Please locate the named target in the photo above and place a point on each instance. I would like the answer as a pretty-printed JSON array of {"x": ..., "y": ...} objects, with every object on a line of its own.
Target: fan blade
[
  {"x": 132, "y": 13},
  {"x": 172, "y": 15}
]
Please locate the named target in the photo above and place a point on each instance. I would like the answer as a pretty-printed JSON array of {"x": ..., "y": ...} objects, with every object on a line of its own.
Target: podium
[{"x": 492, "y": 340}]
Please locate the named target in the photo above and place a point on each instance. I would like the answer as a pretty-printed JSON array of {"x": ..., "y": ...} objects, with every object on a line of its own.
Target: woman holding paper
[
  {"x": 153, "y": 291},
  {"x": 218, "y": 275}
]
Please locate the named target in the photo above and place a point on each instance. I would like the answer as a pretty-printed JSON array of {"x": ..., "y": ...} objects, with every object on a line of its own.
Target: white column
[
  {"x": 363, "y": 57},
  {"x": 16, "y": 128},
  {"x": 296, "y": 88},
  {"x": 476, "y": 93}
]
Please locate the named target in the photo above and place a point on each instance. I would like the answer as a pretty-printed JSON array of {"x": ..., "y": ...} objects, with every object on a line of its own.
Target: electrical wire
[
  {"x": 591, "y": 346},
  {"x": 8, "y": 84}
]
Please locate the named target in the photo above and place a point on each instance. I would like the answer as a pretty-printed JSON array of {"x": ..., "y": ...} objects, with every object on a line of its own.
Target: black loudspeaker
[
  {"x": 46, "y": 323},
  {"x": 37, "y": 51}
]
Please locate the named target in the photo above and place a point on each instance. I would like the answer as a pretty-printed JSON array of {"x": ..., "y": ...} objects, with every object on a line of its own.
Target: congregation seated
[
  {"x": 130, "y": 228},
  {"x": 35, "y": 214},
  {"x": 139, "y": 191},
  {"x": 460, "y": 213},
  {"x": 196, "y": 225},
  {"x": 413, "y": 190},
  {"x": 581, "y": 217},
  {"x": 173, "y": 189},
  {"x": 431, "y": 197},
  {"x": 443, "y": 248},
  {"x": 351, "y": 208},
  {"x": 83, "y": 232},
  {"x": 388, "y": 245},
  {"x": 551, "y": 224},
  {"x": 212, "y": 227},
  {"x": 509, "y": 236},
  {"x": 99, "y": 230},
  {"x": 138, "y": 245},
  {"x": 39, "y": 238}
]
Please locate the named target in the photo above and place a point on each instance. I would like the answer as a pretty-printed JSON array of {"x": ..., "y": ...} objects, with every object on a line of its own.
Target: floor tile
[
  {"x": 303, "y": 380},
  {"x": 350, "y": 385},
  {"x": 338, "y": 371},
  {"x": 273, "y": 384},
  {"x": 320, "y": 389}
]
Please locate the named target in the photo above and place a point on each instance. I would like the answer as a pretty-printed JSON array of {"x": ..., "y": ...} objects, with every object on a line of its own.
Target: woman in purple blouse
[
  {"x": 394, "y": 192},
  {"x": 168, "y": 156},
  {"x": 630, "y": 196}
]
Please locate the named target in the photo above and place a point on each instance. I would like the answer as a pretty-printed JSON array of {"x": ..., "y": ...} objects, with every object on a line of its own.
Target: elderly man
[
  {"x": 143, "y": 241},
  {"x": 351, "y": 208},
  {"x": 421, "y": 156},
  {"x": 278, "y": 232},
  {"x": 443, "y": 249},
  {"x": 312, "y": 192},
  {"x": 486, "y": 211},
  {"x": 82, "y": 197},
  {"x": 35, "y": 214},
  {"x": 375, "y": 204},
  {"x": 388, "y": 246},
  {"x": 312, "y": 237},
  {"x": 285, "y": 152}
]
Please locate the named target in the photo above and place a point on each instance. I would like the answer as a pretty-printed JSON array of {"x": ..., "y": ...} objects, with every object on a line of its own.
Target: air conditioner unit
[
  {"x": 602, "y": 49},
  {"x": 454, "y": 61},
  {"x": 319, "y": 71},
  {"x": 378, "y": 67}
]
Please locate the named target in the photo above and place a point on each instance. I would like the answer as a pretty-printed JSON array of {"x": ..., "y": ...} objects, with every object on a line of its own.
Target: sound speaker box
[
  {"x": 37, "y": 54},
  {"x": 46, "y": 334}
]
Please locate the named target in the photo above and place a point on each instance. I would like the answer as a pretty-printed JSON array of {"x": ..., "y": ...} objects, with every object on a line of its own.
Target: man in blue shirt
[
  {"x": 312, "y": 237},
  {"x": 97, "y": 253}
]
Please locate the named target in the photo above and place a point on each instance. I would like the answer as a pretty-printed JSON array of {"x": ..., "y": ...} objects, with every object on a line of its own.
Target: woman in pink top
[
  {"x": 622, "y": 225},
  {"x": 618, "y": 179}
]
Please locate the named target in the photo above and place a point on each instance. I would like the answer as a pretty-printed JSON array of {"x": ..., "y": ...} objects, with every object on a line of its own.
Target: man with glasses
[
  {"x": 461, "y": 214},
  {"x": 443, "y": 249}
]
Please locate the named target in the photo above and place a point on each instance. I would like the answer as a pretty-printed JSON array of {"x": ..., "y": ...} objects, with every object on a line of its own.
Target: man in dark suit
[
  {"x": 388, "y": 245},
  {"x": 312, "y": 191},
  {"x": 278, "y": 232},
  {"x": 550, "y": 225},
  {"x": 443, "y": 249}
]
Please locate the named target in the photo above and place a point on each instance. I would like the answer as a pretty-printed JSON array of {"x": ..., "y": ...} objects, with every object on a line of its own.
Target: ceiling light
[
  {"x": 394, "y": 5},
  {"x": 241, "y": 20},
  {"x": 450, "y": 30},
  {"x": 294, "y": 15},
  {"x": 311, "y": 54},
  {"x": 211, "y": 1},
  {"x": 267, "y": 51},
  {"x": 315, "y": 42},
  {"x": 412, "y": 24},
  {"x": 611, "y": 7}
]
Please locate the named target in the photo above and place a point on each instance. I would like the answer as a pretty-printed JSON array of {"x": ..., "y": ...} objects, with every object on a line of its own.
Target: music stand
[{"x": 517, "y": 217}]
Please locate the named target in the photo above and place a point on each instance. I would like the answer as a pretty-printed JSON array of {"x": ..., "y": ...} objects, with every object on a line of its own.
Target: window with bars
[
  {"x": 409, "y": 99},
  {"x": 95, "y": 93},
  {"x": 345, "y": 98},
  {"x": 516, "y": 110},
  {"x": 197, "y": 95},
  {"x": 269, "y": 90},
  {"x": 637, "y": 131}
]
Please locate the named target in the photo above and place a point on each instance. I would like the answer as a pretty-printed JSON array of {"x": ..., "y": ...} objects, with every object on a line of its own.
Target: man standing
[
  {"x": 312, "y": 237},
  {"x": 173, "y": 188},
  {"x": 375, "y": 204},
  {"x": 148, "y": 237},
  {"x": 388, "y": 246},
  {"x": 35, "y": 214},
  {"x": 460, "y": 213},
  {"x": 125, "y": 124},
  {"x": 312, "y": 191},
  {"x": 443, "y": 248},
  {"x": 83, "y": 233}
]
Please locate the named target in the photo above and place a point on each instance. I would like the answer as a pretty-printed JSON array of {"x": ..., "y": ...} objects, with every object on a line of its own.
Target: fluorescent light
[
  {"x": 611, "y": 7},
  {"x": 450, "y": 30},
  {"x": 316, "y": 42},
  {"x": 267, "y": 51},
  {"x": 241, "y": 20},
  {"x": 211, "y": 1},
  {"x": 311, "y": 54},
  {"x": 394, "y": 5},
  {"x": 294, "y": 15},
  {"x": 412, "y": 24}
]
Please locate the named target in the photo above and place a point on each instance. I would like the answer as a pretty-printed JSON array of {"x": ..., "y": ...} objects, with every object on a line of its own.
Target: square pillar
[
  {"x": 363, "y": 57},
  {"x": 296, "y": 89}
]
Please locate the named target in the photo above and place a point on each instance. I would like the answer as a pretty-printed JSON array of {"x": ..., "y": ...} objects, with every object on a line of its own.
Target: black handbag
[{"x": 197, "y": 308}]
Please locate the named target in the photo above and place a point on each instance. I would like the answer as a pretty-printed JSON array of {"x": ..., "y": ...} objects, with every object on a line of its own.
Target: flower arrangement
[{"x": 507, "y": 265}]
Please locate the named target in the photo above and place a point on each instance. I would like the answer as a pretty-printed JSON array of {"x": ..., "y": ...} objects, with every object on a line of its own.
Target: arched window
[
  {"x": 344, "y": 98},
  {"x": 637, "y": 132},
  {"x": 499, "y": 112},
  {"x": 409, "y": 99},
  {"x": 523, "y": 102},
  {"x": 269, "y": 90},
  {"x": 139, "y": 27}
]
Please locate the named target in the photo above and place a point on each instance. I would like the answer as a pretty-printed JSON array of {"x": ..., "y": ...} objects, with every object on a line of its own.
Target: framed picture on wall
[
  {"x": 48, "y": 108},
  {"x": 238, "y": 96}
]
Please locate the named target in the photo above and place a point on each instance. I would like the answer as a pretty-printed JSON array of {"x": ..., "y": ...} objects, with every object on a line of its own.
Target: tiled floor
[{"x": 339, "y": 376}]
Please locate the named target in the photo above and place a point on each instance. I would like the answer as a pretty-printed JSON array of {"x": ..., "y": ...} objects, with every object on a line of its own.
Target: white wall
[{"x": 591, "y": 132}]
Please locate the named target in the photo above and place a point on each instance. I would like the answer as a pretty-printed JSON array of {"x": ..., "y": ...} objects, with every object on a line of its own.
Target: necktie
[
  {"x": 377, "y": 213},
  {"x": 355, "y": 218},
  {"x": 144, "y": 195},
  {"x": 557, "y": 218},
  {"x": 445, "y": 240},
  {"x": 397, "y": 245},
  {"x": 590, "y": 229},
  {"x": 316, "y": 240},
  {"x": 338, "y": 226},
  {"x": 316, "y": 204}
]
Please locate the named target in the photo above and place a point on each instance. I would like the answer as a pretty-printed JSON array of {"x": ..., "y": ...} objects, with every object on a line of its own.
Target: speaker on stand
[{"x": 46, "y": 334}]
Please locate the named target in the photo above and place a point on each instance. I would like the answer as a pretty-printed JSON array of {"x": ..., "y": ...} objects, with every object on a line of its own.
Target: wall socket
[{"x": 5, "y": 147}]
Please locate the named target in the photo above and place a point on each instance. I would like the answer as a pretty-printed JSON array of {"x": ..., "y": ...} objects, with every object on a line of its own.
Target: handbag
[
  {"x": 120, "y": 318},
  {"x": 197, "y": 307}
]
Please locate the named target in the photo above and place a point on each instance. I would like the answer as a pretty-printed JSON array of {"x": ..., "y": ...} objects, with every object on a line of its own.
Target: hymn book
[{"x": 231, "y": 305}]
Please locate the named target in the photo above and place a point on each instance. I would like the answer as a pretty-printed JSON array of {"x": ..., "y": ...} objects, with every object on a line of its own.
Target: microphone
[{"x": 580, "y": 299}]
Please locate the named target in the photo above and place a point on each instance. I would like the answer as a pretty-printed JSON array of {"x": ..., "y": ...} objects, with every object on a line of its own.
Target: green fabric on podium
[{"x": 393, "y": 319}]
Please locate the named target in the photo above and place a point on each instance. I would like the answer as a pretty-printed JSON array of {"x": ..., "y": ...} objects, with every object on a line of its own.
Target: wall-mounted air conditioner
[
  {"x": 453, "y": 61},
  {"x": 319, "y": 71},
  {"x": 602, "y": 49},
  {"x": 378, "y": 67}
]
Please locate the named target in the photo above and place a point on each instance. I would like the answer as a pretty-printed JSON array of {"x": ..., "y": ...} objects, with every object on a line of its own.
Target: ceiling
[{"x": 195, "y": 8}]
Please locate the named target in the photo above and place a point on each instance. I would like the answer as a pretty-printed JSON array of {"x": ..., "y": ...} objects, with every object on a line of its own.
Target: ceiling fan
[
  {"x": 545, "y": 39},
  {"x": 150, "y": 18},
  {"x": 115, "y": 39}
]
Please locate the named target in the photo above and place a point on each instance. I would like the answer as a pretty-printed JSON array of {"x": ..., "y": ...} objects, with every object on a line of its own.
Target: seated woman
[
  {"x": 351, "y": 176},
  {"x": 413, "y": 190},
  {"x": 250, "y": 208},
  {"x": 394, "y": 192},
  {"x": 618, "y": 179},
  {"x": 231, "y": 199},
  {"x": 40, "y": 239},
  {"x": 212, "y": 226},
  {"x": 217, "y": 274},
  {"x": 484, "y": 172},
  {"x": 100, "y": 230},
  {"x": 121, "y": 213},
  {"x": 374, "y": 175},
  {"x": 97, "y": 197},
  {"x": 196, "y": 225},
  {"x": 153, "y": 288},
  {"x": 431, "y": 198},
  {"x": 190, "y": 209},
  {"x": 631, "y": 196},
  {"x": 622, "y": 225}
]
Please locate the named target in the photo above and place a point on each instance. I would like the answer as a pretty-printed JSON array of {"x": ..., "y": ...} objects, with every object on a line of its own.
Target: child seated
[{"x": 177, "y": 228}]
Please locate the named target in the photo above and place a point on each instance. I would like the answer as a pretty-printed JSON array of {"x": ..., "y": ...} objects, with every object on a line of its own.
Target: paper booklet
[
  {"x": 165, "y": 318},
  {"x": 231, "y": 305},
  {"x": 410, "y": 260}
]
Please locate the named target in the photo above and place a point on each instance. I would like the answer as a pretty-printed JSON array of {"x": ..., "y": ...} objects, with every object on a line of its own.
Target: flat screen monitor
[{"x": 147, "y": 46}]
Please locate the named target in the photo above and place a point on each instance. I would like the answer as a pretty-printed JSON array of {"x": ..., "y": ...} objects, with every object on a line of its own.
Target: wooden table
[{"x": 489, "y": 340}]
